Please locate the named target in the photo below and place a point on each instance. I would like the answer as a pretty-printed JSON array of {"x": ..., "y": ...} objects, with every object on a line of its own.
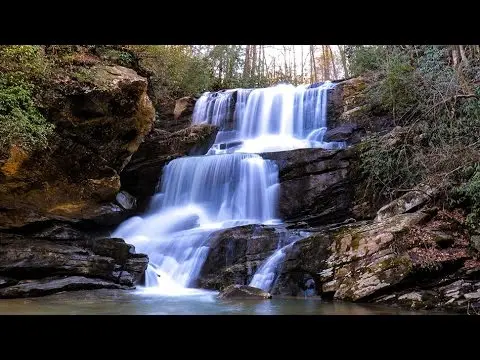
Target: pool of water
[{"x": 195, "y": 302}]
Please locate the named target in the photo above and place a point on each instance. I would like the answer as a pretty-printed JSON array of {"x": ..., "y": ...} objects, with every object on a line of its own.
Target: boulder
[
  {"x": 410, "y": 201},
  {"x": 243, "y": 292},
  {"x": 350, "y": 133},
  {"x": 125, "y": 200},
  {"x": 408, "y": 259},
  {"x": 99, "y": 123},
  {"x": 235, "y": 254}
]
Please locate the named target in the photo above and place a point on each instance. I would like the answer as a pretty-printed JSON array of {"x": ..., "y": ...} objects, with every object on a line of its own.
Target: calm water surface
[{"x": 194, "y": 302}]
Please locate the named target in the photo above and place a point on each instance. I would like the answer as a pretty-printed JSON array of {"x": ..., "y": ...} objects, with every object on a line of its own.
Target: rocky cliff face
[
  {"x": 348, "y": 104},
  {"x": 325, "y": 180},
  {"x": 99, "y": 125}
]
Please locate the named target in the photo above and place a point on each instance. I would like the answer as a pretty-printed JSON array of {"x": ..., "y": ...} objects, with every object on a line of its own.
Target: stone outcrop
[
  {"x": 420, "y": 260},
  {"x": 324, "y": 180},
  {"x": 140, "y": 177},
  {"x": 410, "y": 201},
  {"x": 349, "y": 133},
  {"x": 243, "y": 292},
  {"x": 184, "y": 109},
  {"x": 47, "y": 286},
  {"x": 99, "y": 123},
  {"x": 236, "y": 253},
  {"x": 40, "y": 266},
  {"x": 348, "y": 104}
]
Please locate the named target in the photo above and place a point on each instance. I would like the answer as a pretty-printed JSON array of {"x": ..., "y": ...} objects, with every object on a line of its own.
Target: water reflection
[{"x": 117, "y": 302}]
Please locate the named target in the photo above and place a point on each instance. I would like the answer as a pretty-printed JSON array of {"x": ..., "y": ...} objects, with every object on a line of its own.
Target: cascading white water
[
  {"x": 267, "y": 273},
  {"x": 198, "y": 196},
  {"x": 231, "y": 186},
  {"x": 281, "y": 117},
  {"x": 265, "y": 276},
  {"x": 215, "y": 106}
]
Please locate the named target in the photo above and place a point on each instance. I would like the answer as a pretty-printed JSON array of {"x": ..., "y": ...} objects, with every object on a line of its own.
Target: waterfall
[
  {"x": 229, "y": 186},
  {"x": 282, "y": 117},
  {"x": 198, "y": 196}
]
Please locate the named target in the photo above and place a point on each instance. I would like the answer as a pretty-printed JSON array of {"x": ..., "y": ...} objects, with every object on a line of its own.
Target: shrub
[
  {"x": 20, "y": 121},
  {"x": 468, "y": 194},
  {"x": 436, "y": 105},
  {"x": 175, "y": 68}
]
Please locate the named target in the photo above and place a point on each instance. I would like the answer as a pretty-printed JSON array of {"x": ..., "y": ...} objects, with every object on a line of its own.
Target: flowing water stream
[{"x": 229, "y": 186}]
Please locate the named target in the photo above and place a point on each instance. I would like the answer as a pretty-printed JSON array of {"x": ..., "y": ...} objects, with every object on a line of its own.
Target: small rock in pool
[{"x": 244, "y": 292}]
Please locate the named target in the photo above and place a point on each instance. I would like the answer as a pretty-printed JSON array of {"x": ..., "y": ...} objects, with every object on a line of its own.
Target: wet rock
[
  {"x": 236, "y": 253},
  {"x": 56, "y": 230},
  {"x": 5, "y": 281},
  {"x": 243, "y": 292},
  {"x": 350, "y": 133},
  {"x": 304, "y": 260},
  {"x": 113, "y": 260},
  {"x": 142, "y": 174},
  {"x": 125, "y": 200},
  {"x": 322, "y": 177},
  {"x": 99, "y": 124},
  {"x": 47, "y": 286},
  {"x": 417, "y": 260}
]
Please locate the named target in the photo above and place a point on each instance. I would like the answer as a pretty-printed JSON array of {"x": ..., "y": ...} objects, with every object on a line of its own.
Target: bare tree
[
  {"x": 246, "y": 65},
  {"x": 313, "y": 67},
  {"x": 294, "y": 66},
  {"x": 343, "y": 57},
  {"x": 333, "y": 62}
]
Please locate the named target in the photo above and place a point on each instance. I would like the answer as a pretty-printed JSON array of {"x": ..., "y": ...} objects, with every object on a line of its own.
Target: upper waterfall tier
[{"x": 281, "y": 117}]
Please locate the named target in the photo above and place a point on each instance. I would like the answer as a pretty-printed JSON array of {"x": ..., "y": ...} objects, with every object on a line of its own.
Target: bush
[
  {"x": 468, "y": 194},
  {"x": 439, "y": 138},
  {"x": 363, "y": 59},
  {"x": 175, "y": 68},
  {"x": 22, "y": 62},
  {"x": 20, "y": 121}
]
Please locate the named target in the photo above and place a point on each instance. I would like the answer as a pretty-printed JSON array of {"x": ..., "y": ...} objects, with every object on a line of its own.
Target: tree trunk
[
  {"x": 462, "y": 54},
  {"x": 313, "y": 67},
  {"x": 325, "y": 63},
  {"x": 254, "y": 61},
  {"x": 246, "y": 65},
  {"x": 294, "y": 67},
  {"x": 302, "y": 67},
  {"x": 333, "y": 63},
  {"x": 455, "y": 55},
  {"x": 344, "y": 60}
]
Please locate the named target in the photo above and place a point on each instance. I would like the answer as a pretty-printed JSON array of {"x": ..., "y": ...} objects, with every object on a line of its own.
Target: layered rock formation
[
  {"x": 41, "y": 266},
  {"x": 325, "y": 180},
  {"x": 99, "y": 125}
]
